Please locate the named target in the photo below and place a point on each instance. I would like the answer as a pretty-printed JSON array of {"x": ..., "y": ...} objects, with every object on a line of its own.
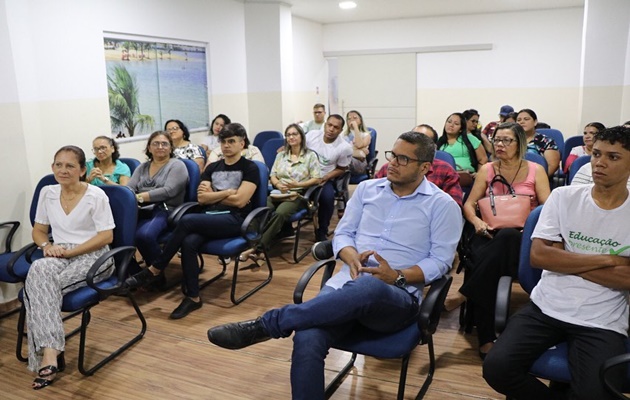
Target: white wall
[{"x": 534, "y": 61}]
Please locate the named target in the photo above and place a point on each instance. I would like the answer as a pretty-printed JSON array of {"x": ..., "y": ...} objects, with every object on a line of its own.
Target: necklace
[
  {"x": 520, "y": 163},
  {"x": 69, "y": 200}
]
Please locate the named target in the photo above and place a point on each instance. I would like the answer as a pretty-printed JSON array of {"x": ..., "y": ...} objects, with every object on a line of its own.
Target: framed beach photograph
[{"x": 151, "y": 80}]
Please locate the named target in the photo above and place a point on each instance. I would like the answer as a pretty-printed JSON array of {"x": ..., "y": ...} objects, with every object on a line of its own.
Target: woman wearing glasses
[
  {"x": 296, "y": 168},
  {"x": 182, "y": 146},
  {"x": 494, "y": 253},
  {"x": 106, "y": 168},
  {"x": 159, "y": 184}
]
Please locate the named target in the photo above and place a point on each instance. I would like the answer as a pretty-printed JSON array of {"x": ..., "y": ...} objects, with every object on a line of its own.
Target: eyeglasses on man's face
[
  {"x": 505, "y": 141},
  {"x": 156, "y": 144},
  {"x": 100, "y": 149},
  {"x": 400, "y": 159}
]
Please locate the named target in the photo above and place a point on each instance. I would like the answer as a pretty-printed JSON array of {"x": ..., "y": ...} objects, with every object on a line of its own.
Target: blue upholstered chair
[
  {"x": 80, "y": 301},
  {"x": 552, "y": 365},
  {"x": 251, "y": 233},
  {"x": 132, "y": 163},
  {"x": 18, "y": 264},
  {"x": 537, "y": 158},
  {"x": 269, "y": 150},
  {"x": 446, "y": 157},
  {"x": 382, "y": 345},
  {"x": 573, "y": 141},
  {"x": 576, "y": 165},
  {"x": 262, "y": 137}
]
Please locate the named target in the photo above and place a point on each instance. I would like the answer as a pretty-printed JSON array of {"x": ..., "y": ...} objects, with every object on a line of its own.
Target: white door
[{"x": 383, "y": 89}]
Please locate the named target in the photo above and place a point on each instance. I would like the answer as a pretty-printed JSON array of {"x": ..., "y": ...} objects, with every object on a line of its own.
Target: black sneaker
[
  {"x": 185, "y": 307},
  {"x": 239, "y": 334},
  {"x": 142, "y": 278}
]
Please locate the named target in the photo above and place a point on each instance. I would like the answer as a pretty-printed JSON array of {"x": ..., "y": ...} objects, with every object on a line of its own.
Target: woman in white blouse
[{"x": 82, "y": 229}]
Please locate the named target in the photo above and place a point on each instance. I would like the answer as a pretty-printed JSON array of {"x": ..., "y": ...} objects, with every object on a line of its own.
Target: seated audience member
[
  {"x": 441, "y": 173},
  {"x": 317, "y": 123},
  {"x": 211, "y": 141},
  {"x": 106, "y": 168},
  {"x": 590, "y": 130},
  {"x": 359, "y": 137},
  {"x": 495, "y": 252},
  {"x": 467, "y": 150},
  {"x": 160, "y": 185},
  {"x": 183, "y": 148},
  {"x": 584, "y": 175},
  {"x": 504, "y": 112},
  {"x": 334, "y": 156},
  {"x": 537, "y": 142},
  {"x": 82, "y": 229},
  {"x": 472, "y": 128},
  {"x": 582, "y": 295},
  {"x": 250, "y": 152},
  {"x": 226, "y": 189},
  {"x": 398, "y": 235},
  {"x": 295, "y": 169}
]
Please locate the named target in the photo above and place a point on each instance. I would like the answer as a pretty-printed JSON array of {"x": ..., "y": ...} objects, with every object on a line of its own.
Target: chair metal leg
[
  {"x": 217, "y": 276},
  {"x": 334, "y": 384},
  {"x": 296, "y": 243},
  {"x": 403, "y": 377},
  {"x": 429, "y": 378},
  {"x": 85, "y": 320},
  {"x": 254, "y": 290}
]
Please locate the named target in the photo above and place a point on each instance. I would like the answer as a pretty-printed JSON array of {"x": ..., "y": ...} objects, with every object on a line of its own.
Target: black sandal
[{"x": 40, "y": 382}]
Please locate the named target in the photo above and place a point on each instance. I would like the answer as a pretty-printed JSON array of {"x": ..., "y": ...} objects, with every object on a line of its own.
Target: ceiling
[{"x": 328, "y": 11}]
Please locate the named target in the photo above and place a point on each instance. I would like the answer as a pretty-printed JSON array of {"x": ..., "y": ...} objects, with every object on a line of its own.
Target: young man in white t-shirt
[
  {"x": 334, "y": 155},
  {"x": 582, "y": 242}
]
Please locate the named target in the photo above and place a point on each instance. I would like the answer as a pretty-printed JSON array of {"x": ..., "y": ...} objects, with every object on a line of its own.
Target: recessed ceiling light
[{"x": 347, "y": 5}]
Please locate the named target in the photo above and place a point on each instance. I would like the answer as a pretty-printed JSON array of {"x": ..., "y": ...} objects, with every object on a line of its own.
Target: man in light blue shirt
[{"x": 398, "y": 234}]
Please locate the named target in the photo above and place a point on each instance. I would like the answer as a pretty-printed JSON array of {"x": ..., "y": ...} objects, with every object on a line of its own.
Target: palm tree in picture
[{"x": 124, "y": 109}]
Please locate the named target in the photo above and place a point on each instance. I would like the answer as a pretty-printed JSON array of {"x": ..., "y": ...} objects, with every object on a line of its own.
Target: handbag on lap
[{"x": 505, "y": 210}]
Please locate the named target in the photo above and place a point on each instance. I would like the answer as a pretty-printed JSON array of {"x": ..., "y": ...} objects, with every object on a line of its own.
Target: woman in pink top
[
  {"x": 494, "y": 253},
  {"x": 590, "y": 130}
]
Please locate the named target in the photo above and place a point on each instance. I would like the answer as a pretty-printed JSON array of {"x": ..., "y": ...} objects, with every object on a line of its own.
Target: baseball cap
[{"x": 505, "y": 110}]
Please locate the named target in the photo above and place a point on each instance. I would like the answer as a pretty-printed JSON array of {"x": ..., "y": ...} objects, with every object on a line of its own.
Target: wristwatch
[
  {"x": 105, "y": 179},
  {"x": 140, "y": 199},
  {"x": 41, "y": 246},
  {"x": 401, "y": 281}
]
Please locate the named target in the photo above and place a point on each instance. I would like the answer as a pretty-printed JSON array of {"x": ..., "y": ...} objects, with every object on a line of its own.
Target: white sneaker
[{"x": 226, "y": 259}]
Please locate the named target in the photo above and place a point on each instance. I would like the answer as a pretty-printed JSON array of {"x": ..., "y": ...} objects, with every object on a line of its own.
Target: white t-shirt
[
  {"x": 331, "y": 155},
  {"x": 571, "y": 216},
  {"x": 91, "y": 215},
  {"x": 584, "y": 176}
]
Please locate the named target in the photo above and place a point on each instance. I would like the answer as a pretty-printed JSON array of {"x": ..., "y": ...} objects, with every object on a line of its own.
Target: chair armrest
[
  {"x": 254, "y": 225},
  {"x": 605, "y": 368},
  {"x": 432, "y": 305},
  {"x": 14, "y": 227},
  {"x": 312, "y": 198},
  {"x": 26, "y": 251},
  {"x": 322, "y": 251},
  {"x": 371, "y": 167},
  {"x": 300, "y": 287},
  {"x": 122, "y": 256},
  {"x": 181, "y": 210},
  {"x": 502, "y": 306}
]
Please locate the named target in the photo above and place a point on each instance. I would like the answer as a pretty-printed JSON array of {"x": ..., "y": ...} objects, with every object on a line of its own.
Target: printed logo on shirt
[{"x": 595, "y": 244}]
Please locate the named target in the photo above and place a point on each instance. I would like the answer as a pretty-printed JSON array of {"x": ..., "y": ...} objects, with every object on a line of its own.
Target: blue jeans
[
  {"x": 326, "y": 208},
  {"x": 320, "y": 322},
  {"x": 192, "y": 231},
  {"x": 528, "y": 334},
  {"x": 147, "y": 233}
]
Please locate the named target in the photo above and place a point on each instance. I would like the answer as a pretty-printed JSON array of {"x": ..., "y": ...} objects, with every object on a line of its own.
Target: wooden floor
[{"x": 175, "y": 359}]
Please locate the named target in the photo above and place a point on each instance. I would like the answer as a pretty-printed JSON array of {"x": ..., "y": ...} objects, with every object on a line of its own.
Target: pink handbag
[{"x": 506, "y": 210}]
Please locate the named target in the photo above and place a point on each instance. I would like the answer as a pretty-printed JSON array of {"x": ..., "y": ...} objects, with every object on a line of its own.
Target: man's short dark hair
[
  {"x": 233, "y": 129},
  {"x": 339, "y": 117},
  {"x": 615, "y": 134},
  {"x": 319, "y": 105},
  {"x": 429, "y": 127},
  {"x": 425, "y": 147}
]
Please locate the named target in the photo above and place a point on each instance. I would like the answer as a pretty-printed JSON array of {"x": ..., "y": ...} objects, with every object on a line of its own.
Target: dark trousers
[
  {"x": 192, "y": 231},
  {"x": 326, "y": 209},
  {"x": 530, "y": 333},
  {"x": 491, "y": 259},
  {"x": 149, "y": 229}
]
